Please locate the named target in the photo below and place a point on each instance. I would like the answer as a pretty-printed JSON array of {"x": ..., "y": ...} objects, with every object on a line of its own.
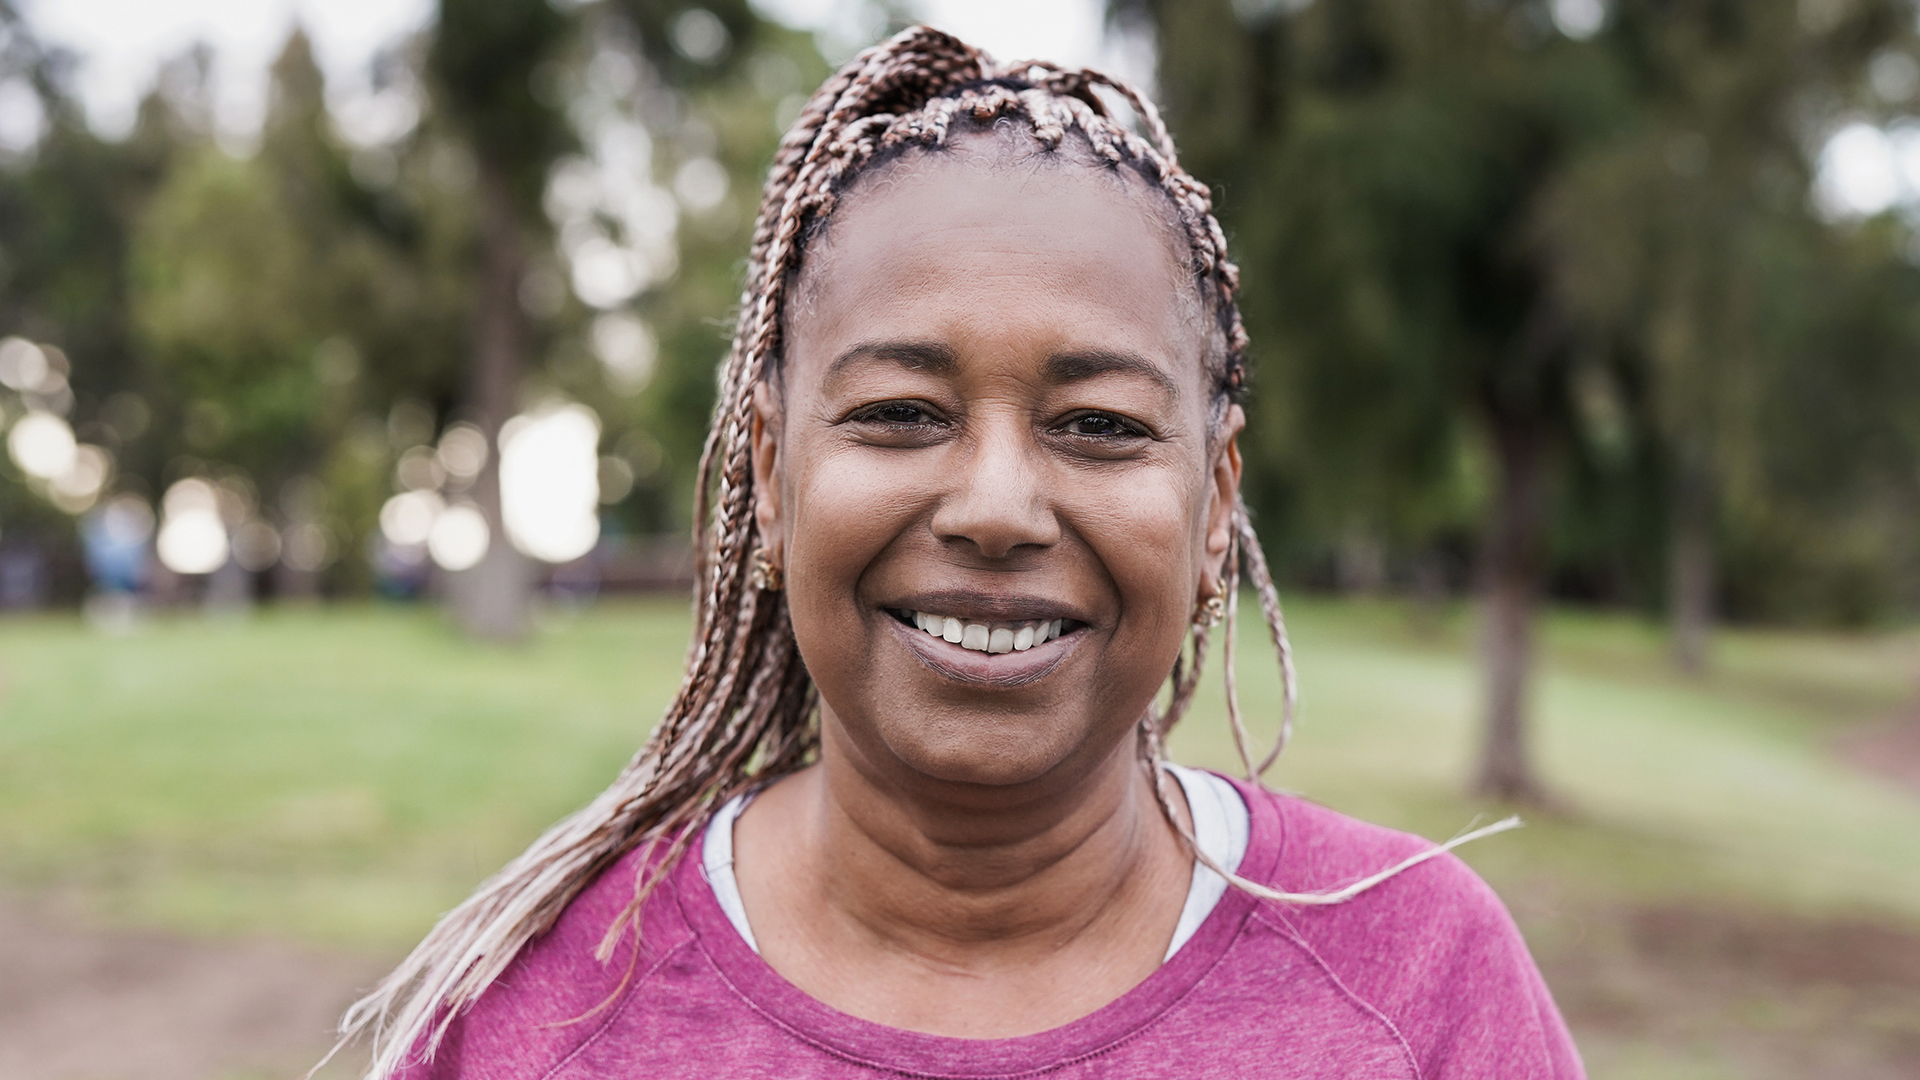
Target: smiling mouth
[{"x": 986, "y": 637}]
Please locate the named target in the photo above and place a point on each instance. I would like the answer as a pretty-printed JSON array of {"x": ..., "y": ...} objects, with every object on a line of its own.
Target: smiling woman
[{"x": 977, "y": 504}]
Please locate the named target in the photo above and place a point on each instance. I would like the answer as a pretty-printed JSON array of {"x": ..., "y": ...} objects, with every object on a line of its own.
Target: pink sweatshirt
[{"x": 1423, "y": 976}]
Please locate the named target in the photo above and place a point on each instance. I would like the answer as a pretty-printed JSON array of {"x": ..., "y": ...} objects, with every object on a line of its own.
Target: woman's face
[{"x": 993, "y": 422}]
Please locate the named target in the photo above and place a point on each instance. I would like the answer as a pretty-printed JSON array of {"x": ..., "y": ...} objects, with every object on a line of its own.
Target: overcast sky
[{"x": 123, "y": 42}]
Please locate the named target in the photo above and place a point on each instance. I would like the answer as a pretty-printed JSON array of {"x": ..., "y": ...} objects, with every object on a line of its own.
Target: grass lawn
[{"x": 341, "y": 775}]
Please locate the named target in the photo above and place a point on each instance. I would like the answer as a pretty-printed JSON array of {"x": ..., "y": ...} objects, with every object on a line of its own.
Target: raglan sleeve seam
[{"x": 1279, "y": 924}]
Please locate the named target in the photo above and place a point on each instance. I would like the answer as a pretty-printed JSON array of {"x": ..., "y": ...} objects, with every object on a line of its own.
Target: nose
[{"x": 997, "y": 501}]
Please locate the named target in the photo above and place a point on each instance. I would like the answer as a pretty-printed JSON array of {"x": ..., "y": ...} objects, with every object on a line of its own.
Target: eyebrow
[
  {"x": 1083, "y": 364},
  {"x": 937, "y": 358},
  {"x": 928, "y": 356}
]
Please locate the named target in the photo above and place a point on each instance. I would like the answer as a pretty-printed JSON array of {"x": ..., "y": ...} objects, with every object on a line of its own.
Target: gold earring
[
  {"x": 1213, "y": 607},
  {"x": 764, "y": 574}
]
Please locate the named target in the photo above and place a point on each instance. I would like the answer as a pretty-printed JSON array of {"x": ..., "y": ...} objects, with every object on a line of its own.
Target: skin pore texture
[{"x": 993, "y": 407}]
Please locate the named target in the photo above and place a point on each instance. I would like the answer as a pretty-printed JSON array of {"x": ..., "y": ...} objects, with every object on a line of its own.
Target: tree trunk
[
  {"x": 491, "y": 601},
  {"x": 1509, "y": 577},
  {"x": 1691, "y": 571}
]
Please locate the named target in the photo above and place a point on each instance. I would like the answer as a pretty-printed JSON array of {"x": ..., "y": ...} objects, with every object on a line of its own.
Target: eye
[
  {"x": 897, "y": 412},
  {"x": 1100, "y": 425},
  {"x": 898, "y": 423}
]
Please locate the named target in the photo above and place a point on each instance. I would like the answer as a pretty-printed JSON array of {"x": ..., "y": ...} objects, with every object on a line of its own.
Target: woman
[{"x": 909, "y": 815}]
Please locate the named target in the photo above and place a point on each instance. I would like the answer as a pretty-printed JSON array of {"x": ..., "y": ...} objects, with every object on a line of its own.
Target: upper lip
[{"x": 972, "y": 605}]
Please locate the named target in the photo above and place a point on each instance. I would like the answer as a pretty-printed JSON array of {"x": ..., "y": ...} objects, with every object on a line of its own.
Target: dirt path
[
  {"x": 1890, "y": 748},
  {"x": 1757, "y": 995},
  {"x": 86, "y": 1004}
]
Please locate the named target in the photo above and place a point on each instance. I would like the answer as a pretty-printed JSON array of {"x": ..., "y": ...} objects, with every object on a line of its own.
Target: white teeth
[{"x": 980, "y": 637}]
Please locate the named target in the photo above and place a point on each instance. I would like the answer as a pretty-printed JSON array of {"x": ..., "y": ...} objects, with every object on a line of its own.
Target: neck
[{"x": 969, "y": 876}]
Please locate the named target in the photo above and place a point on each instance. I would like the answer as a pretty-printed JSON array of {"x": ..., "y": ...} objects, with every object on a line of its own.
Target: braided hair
[{"x": 745, "y": 710}]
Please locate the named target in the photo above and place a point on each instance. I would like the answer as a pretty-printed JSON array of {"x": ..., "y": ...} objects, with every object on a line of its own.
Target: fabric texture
[
  {"x": 1220, "y": 822},
  {"x": 1423, "y": 976}
]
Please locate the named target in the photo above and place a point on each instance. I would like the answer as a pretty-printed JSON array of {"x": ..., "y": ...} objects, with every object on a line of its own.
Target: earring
[
  {"x": 764, "y": 574},
  {"x": 1211, "y": 609}
]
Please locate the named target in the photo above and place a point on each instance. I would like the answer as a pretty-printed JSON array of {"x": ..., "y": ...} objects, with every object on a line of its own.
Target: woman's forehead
[{"x": 973, "y": 243}]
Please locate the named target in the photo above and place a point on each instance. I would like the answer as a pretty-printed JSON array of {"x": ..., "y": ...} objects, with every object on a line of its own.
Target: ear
[
  {"x": 766, "y": 470},
  {"x": 1223, "y": 496}
]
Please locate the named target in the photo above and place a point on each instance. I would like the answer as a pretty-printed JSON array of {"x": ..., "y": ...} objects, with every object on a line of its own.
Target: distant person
[{"x": 909, "y": 814}]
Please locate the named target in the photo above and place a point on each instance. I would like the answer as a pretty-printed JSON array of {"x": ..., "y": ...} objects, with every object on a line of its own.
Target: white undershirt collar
[{"x": 1220, "y": 828}]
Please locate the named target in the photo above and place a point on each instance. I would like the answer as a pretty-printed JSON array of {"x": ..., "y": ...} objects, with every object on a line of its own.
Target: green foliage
[
  {"x": 734, "y": 119},
  {"x": 1452, "y": 220},
  {"x": 482, "y": 63},
  {"x": 1376, "y": 165},
  {"x": 266, "y": 312},
  {"x": 280, "y": 306}
]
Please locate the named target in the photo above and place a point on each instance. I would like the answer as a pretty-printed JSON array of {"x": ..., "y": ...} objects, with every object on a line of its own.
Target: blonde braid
[{"x": 746, "y": 710}]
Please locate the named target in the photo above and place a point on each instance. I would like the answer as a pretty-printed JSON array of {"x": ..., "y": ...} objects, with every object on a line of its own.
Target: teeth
[{"x": 981, "y": 637}]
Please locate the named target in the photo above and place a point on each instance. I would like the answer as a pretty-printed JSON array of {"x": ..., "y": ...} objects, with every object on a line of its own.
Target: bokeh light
[
  {"x": 23, "y": 365},
  {"x": 462, "y": 453},
  {"x": 550, "y": 482},
  {"x": 307, "y": 547},
  {"x": 77, "y": 488},
  {"x": 127, "y": 519},
  {"x": 193, "y": 539},
  {"x": 42, "y": 444},
  {"x": 1859, "y": 173},
  {"x": 616, "y": 479},
  {"x": 459, "y": 537},
  {"x": 1578, "y": 19},
  {"x": 256, "y": 546},
  {"x": 407, "y": 519},
  {"x": 627, "y": 350},
  {"x": 418, "y": 470}
]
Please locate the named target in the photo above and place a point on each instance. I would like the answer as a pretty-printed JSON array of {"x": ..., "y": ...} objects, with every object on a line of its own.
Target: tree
[
  {"x": 1690, "y": 253},
  {"x": 1378, "y": 165},
  {"x": 1458, "y": 220},
  {"x": 481, "y": 68},
  {"x": 67, "y": 203},
  {"x": 283, "y": 307}
]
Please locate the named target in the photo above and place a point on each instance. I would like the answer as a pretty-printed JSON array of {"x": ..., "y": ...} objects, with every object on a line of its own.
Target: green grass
[
  {"x": 1671, "y": 787},
  {"x": 342, "y": 775}
]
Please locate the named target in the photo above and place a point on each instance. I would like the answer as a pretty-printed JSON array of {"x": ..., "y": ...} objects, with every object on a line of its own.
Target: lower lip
[{"x": 1005, "y": 670}]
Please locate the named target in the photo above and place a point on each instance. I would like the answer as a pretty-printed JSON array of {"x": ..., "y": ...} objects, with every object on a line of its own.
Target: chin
[{"x": 988, "y": 749}]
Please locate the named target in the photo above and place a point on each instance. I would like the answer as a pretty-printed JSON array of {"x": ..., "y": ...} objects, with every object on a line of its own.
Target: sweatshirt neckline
[{"x": 912, "y": 1052}]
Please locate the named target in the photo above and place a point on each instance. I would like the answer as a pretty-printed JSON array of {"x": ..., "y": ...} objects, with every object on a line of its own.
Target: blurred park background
[{"x": 355, "y": 359}]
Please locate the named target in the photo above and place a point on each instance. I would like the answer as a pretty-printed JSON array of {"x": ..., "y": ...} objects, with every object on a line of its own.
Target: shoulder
[
  {"x": 1432, "y": 948},
  {"x": 556, "y": 995},
  {"x": 1320, "y": 850}
]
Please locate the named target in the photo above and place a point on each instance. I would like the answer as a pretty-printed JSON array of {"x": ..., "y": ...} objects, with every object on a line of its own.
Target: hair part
[{"x": 746, "y": 711}]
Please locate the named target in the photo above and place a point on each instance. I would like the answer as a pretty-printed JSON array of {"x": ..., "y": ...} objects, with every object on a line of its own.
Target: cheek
[
  {"x": 841, "y": 512},
  {"x": 1151, "y": 541}
]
